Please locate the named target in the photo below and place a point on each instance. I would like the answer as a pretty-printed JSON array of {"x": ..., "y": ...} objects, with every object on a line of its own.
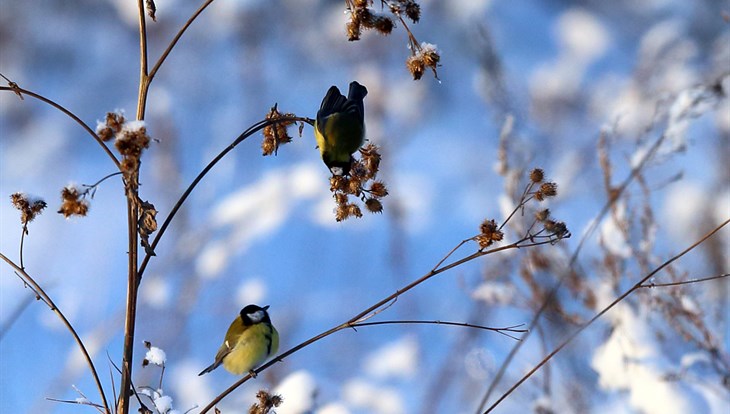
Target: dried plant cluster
[
  {"x": 276, "y": 131},
  {"x": 73, "y": 202},
  {"x": 130, "y": 139},
  {"x": 362, "y": 173},
  {"x": 29, "y": 207},
  {"x": 265, "y": 403},
  {"x": 364, "y": 17},
  {"x": 552, "y": 231}
]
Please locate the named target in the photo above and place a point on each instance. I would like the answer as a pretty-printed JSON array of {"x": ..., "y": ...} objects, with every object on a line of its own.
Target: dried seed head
[
  {"x": 548, "y": 189},
  {"x": 542, "y": 215},
  {"x": 537, "y": 175},
  {"x": 276, "y": 132},
  {"x": 265, "y": 403},
  {"x": 378, "y": 189},
  {"x": 416, "y": 66},
  {"x": 354, "y": 30},
  {"x": 383, "y": 24},
  {"x": 490, "y": 233},
  {"x": 354, "y": 210},
  {"x": 73, "y": 203},
  {"x": 431, "y": 57},
  {"x": 413, "y": 11},
  {"x": 557, "y": 228},
  {"x": 374, "y": 205},
  {"x": 28, "y": 206},
  {"x": 354, "y": 186},
  {"x": 341, "y": 198},
  {"x": 338, "y": 183}
]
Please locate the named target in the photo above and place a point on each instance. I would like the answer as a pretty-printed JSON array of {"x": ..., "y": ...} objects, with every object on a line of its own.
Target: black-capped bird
[
  {"x": 340, "y": 127},
  {"x": 251, "y": 339}
]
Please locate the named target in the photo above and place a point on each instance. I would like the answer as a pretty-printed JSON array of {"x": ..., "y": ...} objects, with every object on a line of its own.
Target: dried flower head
[
  {"x": 362, "y": 172},
  {"x": 29, "y": 206},
  {"x": 151, "y": 9},
  {"x": 146, "y": 225},
  {"x": 556, "y": 228},
  {"x": 111, "y": 126},
  {"x": 412, "y": 10},
  {"x": 542, "y": 215},
  {"x": 73, "y": 202},
  {"x": 416, "y": 66},
  {"x": 132, "y": 139},
  {"x": 374, "y": 205},
  {"x": 383, "y": 24},
  {"x": 537, "y": 175},
  {"x": 354, "y": 30},
  {"x": 549, "y": 189},
  {"x": 378, "y": 189},
  {"x": 490, "y": 233},
  {"x": 276, "y": 133},
  {"x": 265, "y": 403}
]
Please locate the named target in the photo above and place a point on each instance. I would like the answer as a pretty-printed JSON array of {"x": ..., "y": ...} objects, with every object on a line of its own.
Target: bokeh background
[{"x": 262, "y": 229}]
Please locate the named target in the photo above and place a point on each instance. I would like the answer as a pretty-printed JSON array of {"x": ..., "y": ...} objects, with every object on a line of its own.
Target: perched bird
[
  {"x": 340, "y": 127},
  {"x": 250, "y": 340}
]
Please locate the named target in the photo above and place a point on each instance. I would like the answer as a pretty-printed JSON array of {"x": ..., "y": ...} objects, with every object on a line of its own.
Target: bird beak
[{"x": 265, "y": 307}]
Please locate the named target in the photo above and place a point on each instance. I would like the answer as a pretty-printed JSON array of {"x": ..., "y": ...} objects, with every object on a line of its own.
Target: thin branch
[
  {"x": 177, "y": 37},
  {"x": 502, "y": 331},
  {"x": 47, "y": 299},
  {"x": 636, "y": 286},
  {"x": 131, "y": 309},
  {"x": 144, "y": 79},
  {"x": 82, "y": 402},
  {"x": 247, "y": 133},
  {"x": 684, "y": 282},
  {"x": 69, "y": 114}
]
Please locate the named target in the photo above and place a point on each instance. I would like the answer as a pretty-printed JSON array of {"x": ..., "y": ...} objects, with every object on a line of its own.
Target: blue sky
[{"x": 261, "y": 229}]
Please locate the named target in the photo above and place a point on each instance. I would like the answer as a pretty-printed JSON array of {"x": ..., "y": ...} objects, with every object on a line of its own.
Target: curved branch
[
  {"x": 174, "y": 41},
  {"x": 47, "y": 299},
  {"x": 245, "y": 134},
  {"x": 502, "y": 331},
  {"x": 68, "y": 113},
  {"x": 684, "y": 282}
]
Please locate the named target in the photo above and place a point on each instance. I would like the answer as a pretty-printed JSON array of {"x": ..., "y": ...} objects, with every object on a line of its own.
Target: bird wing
[{"x": 332, "y": 103}]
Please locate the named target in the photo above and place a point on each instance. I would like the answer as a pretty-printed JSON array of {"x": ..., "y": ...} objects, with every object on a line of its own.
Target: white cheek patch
[{"x": 257, "y": 316}]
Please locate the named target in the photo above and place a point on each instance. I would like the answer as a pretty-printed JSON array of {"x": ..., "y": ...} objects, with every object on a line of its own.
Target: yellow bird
[
  {"x": 251, "y": 339},
  {"x": 340, "y": 127}
]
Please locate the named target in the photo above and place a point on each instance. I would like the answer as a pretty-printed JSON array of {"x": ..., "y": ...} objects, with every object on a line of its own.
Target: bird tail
[
  {"x": 210, "y": 368},
  {"x": 357, "y": 92}
]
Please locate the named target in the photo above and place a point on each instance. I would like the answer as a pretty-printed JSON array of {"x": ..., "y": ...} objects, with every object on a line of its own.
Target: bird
[
  {"x": 250, "y": 340},
  {"x": 340, "y": 127}
]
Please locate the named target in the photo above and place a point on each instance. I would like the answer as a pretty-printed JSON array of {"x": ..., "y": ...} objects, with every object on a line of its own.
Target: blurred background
[{"x": 581, "y": 89}]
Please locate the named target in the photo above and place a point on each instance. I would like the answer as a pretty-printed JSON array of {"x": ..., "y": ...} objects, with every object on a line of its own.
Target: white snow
[
  {"x": 397, "y": 359},
  {"x": 298, "y": 390},
  {"x": 156, "y": 356}
]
